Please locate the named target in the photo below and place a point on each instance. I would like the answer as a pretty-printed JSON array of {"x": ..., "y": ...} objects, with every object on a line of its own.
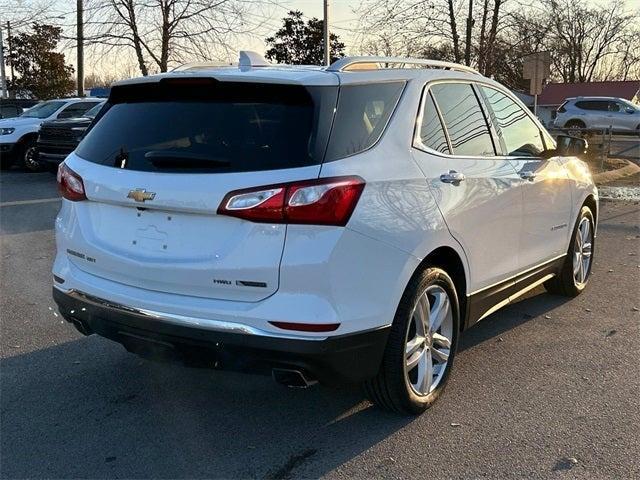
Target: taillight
[
  {"x": 70, "y": 184},
  {"x": 323, "y": 201}
]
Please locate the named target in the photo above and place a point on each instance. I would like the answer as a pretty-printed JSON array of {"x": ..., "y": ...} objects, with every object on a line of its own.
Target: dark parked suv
[{"x": 58, "y": 138}]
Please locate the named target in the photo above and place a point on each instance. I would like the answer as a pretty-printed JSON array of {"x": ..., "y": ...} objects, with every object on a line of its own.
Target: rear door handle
[
  {"x": 528, "y": 175},
  {"x": 452, "y": 177}
]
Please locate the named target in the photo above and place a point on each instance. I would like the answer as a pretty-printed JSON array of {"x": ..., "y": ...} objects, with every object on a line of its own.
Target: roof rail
[{"x": 349, "y": 63}]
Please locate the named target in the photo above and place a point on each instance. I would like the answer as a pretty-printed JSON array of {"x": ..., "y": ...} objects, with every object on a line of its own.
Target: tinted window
[
  {"x": 519, "y": 132},
  {"x": 9, "y": 111},
  {"x": 93, "y": 111},
  {"x": 44, "y": 109},
  {"x": 592, "y": 105},
  {"x": 76, "y": 109},
  {"x": 217, "y": 127},
  {"x": 463, "y": 119},
  {"x": 361, "y": 116},
  {"x": 431, "y": 133}
]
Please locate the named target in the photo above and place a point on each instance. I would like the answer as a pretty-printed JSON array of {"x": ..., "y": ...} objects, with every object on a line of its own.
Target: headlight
[{"x": 7, "y": 131}]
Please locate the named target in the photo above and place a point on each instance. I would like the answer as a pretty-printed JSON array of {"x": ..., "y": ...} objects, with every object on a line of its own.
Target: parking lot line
[{"x": 30, "y": 202}]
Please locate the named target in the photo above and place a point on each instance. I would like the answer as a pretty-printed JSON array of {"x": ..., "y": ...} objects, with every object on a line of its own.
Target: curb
[{"x": 612, "y": 175}]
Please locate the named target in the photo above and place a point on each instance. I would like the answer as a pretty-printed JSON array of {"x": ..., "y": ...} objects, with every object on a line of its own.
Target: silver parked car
[{"x": 597, "y": 113}]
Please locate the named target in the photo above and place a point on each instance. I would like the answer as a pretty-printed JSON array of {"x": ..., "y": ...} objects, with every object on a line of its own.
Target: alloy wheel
[
  {"x": 428, "y": 340},
  {"x": 582, "y": 251},
  {"x": 30, "y": 159}
]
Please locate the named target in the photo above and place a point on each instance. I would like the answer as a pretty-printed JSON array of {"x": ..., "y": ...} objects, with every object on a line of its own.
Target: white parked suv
[
  {"x": 339, "y": 224},
  {"x": 18, "y": 135},
  {"x": 594, "y": 113}
]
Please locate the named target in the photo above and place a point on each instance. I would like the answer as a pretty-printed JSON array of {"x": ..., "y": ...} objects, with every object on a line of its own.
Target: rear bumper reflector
[{"x": 307, "y": 327}]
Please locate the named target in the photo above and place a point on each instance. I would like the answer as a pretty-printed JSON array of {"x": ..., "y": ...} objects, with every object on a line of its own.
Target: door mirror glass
[{"x": 571, "y": 146}]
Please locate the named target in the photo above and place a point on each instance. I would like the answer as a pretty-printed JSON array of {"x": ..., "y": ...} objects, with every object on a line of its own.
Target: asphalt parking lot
[{"x": 545, "y": 388}]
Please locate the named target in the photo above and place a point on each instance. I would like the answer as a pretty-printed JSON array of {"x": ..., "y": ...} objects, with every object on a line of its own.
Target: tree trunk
[
  {"x": 493, "y": 32},
  {"x": 454, "y": 33},
  {"x": 483, "y": 32},
  {"x": 467, "y": 48}
]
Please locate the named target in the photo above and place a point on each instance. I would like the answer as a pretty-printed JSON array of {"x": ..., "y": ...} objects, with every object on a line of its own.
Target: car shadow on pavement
[
  {"x": 536, "y": 304},
  {"x": 88, "y": 409}
]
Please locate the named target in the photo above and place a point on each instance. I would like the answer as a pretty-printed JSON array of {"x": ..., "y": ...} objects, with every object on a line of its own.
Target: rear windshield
[{"x": 205, "y": 125}]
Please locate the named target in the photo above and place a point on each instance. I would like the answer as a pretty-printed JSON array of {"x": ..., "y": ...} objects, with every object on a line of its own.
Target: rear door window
[
  {"x": 464, "y": 120},
  {"x": 520, "y": 134},
  {"x": 430, "y": 132},
  {"x": 362, "y": 114},
  {"x": 211, "y": 126},
  {"x": 593, "y": 105}
]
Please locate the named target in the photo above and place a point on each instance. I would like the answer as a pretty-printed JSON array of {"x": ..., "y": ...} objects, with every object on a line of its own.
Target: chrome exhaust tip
[{"x": 292, "y": 378}]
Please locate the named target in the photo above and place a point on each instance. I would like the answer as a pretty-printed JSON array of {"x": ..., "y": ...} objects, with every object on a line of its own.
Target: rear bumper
[{"x": 332, "y": 360}]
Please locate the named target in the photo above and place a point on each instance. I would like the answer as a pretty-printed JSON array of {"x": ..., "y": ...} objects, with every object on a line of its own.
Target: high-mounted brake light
[
  {"x": 70, "y": 184},
  {"x": 323, "y": 201}
]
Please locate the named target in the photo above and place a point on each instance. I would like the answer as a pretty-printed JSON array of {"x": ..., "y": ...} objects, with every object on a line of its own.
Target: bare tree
[
  {"x": 162, "y": 32},
  {"x": 584, "y": 37}
]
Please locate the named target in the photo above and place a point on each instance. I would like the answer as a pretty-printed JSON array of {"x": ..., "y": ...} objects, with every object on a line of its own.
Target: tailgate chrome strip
[{"x": 183, "y": 320}]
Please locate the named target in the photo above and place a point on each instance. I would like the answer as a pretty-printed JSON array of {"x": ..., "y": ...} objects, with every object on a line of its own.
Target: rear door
[
  {"x": 476, "y": 190},
  {"x": 545, "y": 185},
  {"x": 156, "y": 166},
  {"x": 594, "y": 113}
]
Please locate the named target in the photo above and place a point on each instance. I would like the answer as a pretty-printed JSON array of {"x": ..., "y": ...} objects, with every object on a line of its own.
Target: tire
[
  {"x": 397, "y": 386},
  {"x": 569, "y": 282},
  {"x": 29, "y": 156},
  {"x": 573, "y": 128}
]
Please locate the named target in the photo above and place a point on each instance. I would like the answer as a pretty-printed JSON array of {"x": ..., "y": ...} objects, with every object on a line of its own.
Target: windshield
[
  {"x": 218, "y": 127},
  {"x": 630, "y": 104},
  {"x": 43, "y": 110}
]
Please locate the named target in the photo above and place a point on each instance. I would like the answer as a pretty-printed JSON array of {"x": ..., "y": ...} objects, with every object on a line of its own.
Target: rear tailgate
[
  {"x": 176, "y": 242},
  {"x": 157, "y": 164}
]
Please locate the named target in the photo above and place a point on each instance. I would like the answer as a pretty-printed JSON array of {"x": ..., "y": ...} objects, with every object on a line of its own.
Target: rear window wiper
[{"x": 169, "y": 159}]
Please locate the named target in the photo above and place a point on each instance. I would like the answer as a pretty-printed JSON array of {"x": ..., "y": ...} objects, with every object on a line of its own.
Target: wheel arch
[
  {"x": 450, "y": 261},
  {"x": 591, "y": 202},
  {"x": 28, "y": 136}
]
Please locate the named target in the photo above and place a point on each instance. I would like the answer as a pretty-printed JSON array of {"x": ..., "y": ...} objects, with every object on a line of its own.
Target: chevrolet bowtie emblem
[{"x": 141, "y": 195}]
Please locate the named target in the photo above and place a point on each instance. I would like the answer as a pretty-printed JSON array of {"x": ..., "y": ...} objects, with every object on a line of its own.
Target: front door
[{"x": 545, "y": 185}]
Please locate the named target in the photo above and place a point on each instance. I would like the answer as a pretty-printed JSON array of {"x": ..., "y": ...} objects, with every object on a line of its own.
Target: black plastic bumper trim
[{"x": 334, "y": 360}]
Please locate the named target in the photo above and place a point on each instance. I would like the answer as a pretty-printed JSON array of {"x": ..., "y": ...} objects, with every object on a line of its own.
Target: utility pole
[
  {"x": 3, "y": 77},
  {"x": 327, "y": 40},
  {"x": 80, "y": 46},
  {"x": 13, "y": 78}
]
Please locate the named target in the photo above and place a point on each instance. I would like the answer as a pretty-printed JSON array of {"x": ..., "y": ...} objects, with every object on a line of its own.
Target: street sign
[{"x": 536, "y": 68}]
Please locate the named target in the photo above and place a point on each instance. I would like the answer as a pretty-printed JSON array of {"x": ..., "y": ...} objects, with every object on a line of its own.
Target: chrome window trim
[
  {"x": 475, "y": 83},
  {"x": 417, "y": 142}
]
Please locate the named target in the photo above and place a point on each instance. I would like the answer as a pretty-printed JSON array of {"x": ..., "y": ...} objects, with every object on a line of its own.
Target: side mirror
[
  {"x": 571, "y": 146},
  {"x": 630, "y": 110}
]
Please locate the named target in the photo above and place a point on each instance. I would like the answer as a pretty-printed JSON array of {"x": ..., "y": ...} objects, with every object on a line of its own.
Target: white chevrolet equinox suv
[{"x": 333, "y": 224}]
